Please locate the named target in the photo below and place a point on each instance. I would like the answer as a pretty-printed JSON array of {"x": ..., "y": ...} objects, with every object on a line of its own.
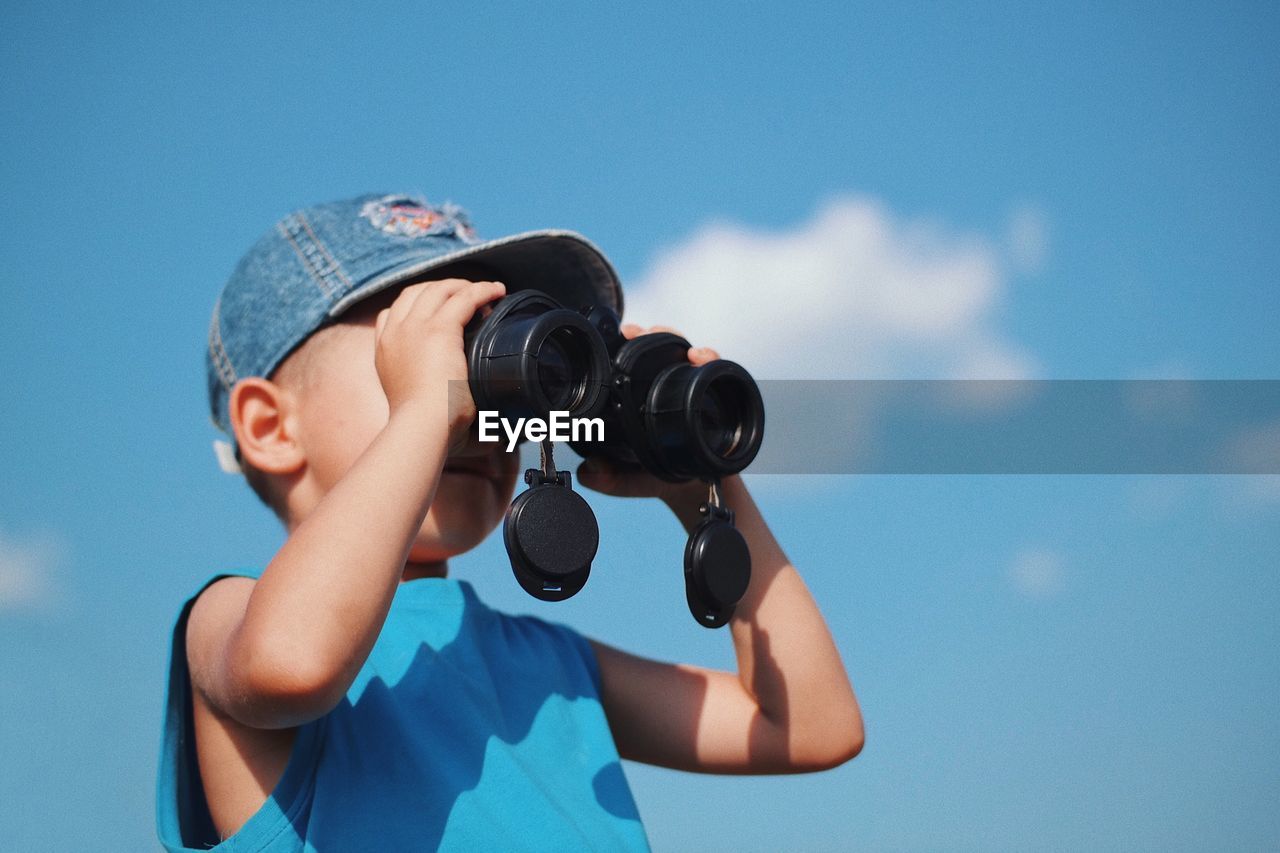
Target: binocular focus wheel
[
  {"x": 717, "y": 571},
  {"x": 551, "y": 537}
]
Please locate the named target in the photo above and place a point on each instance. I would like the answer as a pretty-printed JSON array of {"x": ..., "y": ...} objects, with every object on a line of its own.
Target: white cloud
[
  {"x": 1256, "y": 450},
  {"x": 1038, "y": 573},
  {"x": 1027, "y": 239},
  {"x": 27, "y": 572},
  {"x": 855, "y": 292}
]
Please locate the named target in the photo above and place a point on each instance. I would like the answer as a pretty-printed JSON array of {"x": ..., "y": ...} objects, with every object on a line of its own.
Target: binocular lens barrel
[
  {"x": 531, "y": 357},
  {"x": 705, "y": 421},
  {"x": 564, "y": 369}
]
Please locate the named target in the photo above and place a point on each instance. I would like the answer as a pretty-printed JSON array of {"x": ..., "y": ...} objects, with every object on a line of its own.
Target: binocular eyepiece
[{"x": 531, "y": 357}]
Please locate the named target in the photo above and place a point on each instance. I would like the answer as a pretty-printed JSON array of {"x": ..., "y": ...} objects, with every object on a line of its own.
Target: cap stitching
[
  {"x": 221, "y": 360},
  {"x": 289, "y": 228},
  {"x": 324, "y": 250},
  {"x": 318, "y": 276}
]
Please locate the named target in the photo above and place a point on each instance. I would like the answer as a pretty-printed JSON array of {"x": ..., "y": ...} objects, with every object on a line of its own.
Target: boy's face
[{"x": 342, "y": 408}]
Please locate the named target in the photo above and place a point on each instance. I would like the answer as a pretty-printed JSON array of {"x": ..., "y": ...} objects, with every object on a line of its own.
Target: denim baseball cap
[{"x": 318, "y": 262}]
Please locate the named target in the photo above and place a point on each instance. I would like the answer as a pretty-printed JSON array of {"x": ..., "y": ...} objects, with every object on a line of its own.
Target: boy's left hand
[{"x": 604, "y": 475}]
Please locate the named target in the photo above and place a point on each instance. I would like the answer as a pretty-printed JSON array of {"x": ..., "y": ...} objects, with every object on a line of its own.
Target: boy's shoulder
[
  {"x": 221, "y": 600},
  {"x": 446, "y": 615}
]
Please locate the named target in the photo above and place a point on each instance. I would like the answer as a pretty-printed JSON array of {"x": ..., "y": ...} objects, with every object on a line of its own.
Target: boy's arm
[
  {"x": 283, "y": 651},
  {"x": 789, "y": 708}
]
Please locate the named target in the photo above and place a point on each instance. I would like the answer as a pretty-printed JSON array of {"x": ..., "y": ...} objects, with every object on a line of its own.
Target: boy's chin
[
  {"x": 431, "y": 547},
  {"x": 461, "y": 516}
]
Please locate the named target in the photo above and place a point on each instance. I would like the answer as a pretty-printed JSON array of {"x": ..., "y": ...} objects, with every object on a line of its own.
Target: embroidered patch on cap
[{"x": 408, "y": 217}]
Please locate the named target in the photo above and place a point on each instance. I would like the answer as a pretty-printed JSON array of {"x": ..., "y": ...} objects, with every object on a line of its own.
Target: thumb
[{"x": 598, "y": 474}]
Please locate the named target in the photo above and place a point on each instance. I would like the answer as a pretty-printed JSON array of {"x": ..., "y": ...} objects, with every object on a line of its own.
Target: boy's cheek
[{"x": 465, "y": 511}]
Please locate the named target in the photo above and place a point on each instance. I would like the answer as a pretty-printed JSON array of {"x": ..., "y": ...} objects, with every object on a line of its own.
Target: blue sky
[{"x": 1081, "y": 192}]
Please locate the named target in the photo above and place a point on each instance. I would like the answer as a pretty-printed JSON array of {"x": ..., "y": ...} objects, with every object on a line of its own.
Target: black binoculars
[{"x": 532, "y": 356}]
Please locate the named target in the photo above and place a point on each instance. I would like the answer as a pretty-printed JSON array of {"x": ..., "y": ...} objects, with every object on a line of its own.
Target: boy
[{"x": 352, "y": 696}]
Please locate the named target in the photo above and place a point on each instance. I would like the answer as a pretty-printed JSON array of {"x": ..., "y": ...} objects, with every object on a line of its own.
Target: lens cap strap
[
  {"x": 547, "y": 459},
  {"x": 717, "y": 564},
  {"x": 550, "y": 533}
]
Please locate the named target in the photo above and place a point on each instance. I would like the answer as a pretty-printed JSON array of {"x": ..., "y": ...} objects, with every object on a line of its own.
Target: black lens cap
[
  {"x": 551, "y": 537},
  {"x": 717, "y": 566}
]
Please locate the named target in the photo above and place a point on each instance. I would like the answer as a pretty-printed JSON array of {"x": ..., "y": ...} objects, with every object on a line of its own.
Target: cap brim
[{"x": 563, "y": 264}]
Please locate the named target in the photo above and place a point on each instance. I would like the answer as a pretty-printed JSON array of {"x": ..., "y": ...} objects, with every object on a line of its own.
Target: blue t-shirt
[{"x": 466, "y": 728}]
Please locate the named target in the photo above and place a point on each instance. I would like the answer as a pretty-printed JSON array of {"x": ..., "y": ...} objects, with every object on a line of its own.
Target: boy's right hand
[{"x": 419, "y": 351}]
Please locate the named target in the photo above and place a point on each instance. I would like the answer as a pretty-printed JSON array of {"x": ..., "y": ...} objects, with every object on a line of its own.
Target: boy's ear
[{"x": 263, "y": 417}]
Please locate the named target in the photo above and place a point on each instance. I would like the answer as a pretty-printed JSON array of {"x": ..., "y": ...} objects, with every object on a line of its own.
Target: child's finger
[
  {"x": 597, "y": 474},
  {"x": 601, "y": 476},
  {"x": 463, "y": 305},
  {"x": 435, "y": 292},
  {"x": 403, "y": 302},
  {"x": 433, "y": 300},
  {"x": 631, "y": 330},
  {"x": 702, "y": 355}
]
